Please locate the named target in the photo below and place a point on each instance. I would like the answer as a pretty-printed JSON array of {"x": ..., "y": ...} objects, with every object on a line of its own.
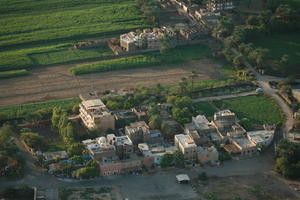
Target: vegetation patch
[
  {"x": 253, "y": 110},
  {"x": 14, "y": 73},
  {"x": 22, "y": 111},
  {"x": 176, "y": 55},
  {"x": 204, "y": 108}
]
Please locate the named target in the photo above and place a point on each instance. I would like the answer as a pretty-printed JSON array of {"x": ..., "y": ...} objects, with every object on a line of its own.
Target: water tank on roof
[{"x": 102, "y": 140}]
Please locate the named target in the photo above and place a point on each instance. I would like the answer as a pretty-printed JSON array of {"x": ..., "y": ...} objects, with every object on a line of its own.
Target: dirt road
[{"x": 57, "y": 82}]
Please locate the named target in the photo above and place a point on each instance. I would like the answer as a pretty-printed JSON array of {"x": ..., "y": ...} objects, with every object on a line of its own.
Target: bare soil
[
  {"x": 58, "y": 82},
  {"x": 249, "y": 187}
]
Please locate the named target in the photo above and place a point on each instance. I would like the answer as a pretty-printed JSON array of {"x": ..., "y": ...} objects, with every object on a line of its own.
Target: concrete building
[
  {"x": 220, "y": 5},
  {"x": 131, "y": 41},
  {"x": 189, "y": 33},
  {"x": 94, "y": 114},
  {"x": 187, "y": 146},
  {"x": 156, "y": 151},
  {"x": 140, "y": 112},
  {"x": 123, "y": 145},
  {"x": 241, "y": 146},
  {"x": 202, "y": 125},
  {"x": 207, "y": 18},
  {"x": 190, "y": 130},
  {"x": 207, "y": 155},
  {"x": 100, "y": 149},
  {"x": 124, "y": 117},
  {"x": 138, "y": 132},
  {"x": 262, "y": 137},
  {"x": 53, "y": 156}
]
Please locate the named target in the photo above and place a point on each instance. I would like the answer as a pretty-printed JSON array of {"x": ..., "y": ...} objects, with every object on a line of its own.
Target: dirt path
[{"x": 57, "y": 82}]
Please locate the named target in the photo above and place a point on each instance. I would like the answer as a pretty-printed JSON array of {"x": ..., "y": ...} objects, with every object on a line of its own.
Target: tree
[
  {"x": 34, "y": 141},
  {"x": 91, "y": 170},
  {"x": 55, "y": 116},
  {"x": 114, "y": 105},
  {"x": 167, "y": 130},
  {"x": 155, "y": 122},
  {"x": 182, "y": 115},
  {"x": 192, "y": 77},
  {"x": 183, "y": 102},
  {"x": 284, "y": 61},
  {"x": 179, "y": 159},
  {"x": 238, "y": 61},
  {"x": 164, "y": 48},
  {"x": 171, "y": 99},
  {"x": 183, "y": 84},
  {"x": 76, "y": 149},
  {"x": 288, "y": 159},
  {"x": 167, "y": 160}
]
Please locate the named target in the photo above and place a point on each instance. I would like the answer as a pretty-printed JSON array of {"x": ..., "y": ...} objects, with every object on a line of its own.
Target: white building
[
  {"x": 156, "y": 151},
  {"x": 262, "y": 137},
  {"x": 94, "y": 114}
]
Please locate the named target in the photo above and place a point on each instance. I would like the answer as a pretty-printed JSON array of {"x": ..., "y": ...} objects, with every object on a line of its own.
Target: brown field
[
  {"x": 247, "y": 187},
  {"x": 57, "y": 82}
]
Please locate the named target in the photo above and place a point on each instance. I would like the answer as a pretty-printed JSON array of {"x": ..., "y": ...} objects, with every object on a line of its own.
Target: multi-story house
[
  {"x": 187, "y": 146},
  {"x": 95, "y": 115},
  {"x": 138, "y": 132}
]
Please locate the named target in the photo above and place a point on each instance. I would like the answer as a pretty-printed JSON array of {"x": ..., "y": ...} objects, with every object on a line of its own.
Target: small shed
[{"x": 183, "y": 178}]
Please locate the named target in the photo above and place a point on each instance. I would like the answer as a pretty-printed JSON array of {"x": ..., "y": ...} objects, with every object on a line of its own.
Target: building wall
[{"x": 110, "y": 168}]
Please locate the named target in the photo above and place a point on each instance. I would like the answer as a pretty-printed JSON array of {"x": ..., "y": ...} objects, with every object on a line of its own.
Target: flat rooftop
[{"x": 186, "y": 141}]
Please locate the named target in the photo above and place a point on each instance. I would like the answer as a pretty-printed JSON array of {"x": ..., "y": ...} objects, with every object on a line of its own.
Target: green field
[
  {"x": 279, "y": 45},
  {"x": 253, "y": 110},
  {"x": 21, "y": 111},
  {"x": 38, "y": 33},
  {"x": 176, "y": 55}
]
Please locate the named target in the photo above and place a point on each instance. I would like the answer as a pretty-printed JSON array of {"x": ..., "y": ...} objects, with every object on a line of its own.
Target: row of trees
[{"x": 91, "y": 170}]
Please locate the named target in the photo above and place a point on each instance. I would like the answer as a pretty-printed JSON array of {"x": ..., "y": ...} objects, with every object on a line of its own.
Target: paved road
[{"x": 224, "y": 96}]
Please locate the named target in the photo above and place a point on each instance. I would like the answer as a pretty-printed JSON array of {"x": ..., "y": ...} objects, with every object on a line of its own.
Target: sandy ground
[{"x": 57, "y": 82}]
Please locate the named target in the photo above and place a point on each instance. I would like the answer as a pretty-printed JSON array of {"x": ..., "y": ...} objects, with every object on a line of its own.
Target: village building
[
  {"x": 262, "y": 137},
  {"x": 141, "y": 112},
  {"x": 54, "y": 156},
  {"x": 99, "y": 149},
  {"x": 207, "y": 155},
  {"x": 202, "y": 125},
  {"x": 220, "y": 5},
  {"x": 241, "y": 146},
  {"x": 156, "y": 151},
  {"x": 124, "y": 117},
  {"x": 207, "y": 18},
  {"x": 138, "y": 132},
  {"x": 190, "y": 33},
  {"x": 123, "y": 145},
  {"x": 190, "y": 130},
  {"x": 187, "y": 146},
  {"x": 95, "y": 115}
]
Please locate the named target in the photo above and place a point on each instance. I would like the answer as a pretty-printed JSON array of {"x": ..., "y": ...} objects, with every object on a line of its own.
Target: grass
[
  {"x": 253, "y": 110},
  {"x": 14, "y": 73},
  {"x": 279, "y": 45},
  {"x": 57, "y": 146},
  {"x": 20, "y": 111},
  {"x": 176, "y": 55},
  {"x": 204, "y": 108},
  {"x": 38, "y": 33}
]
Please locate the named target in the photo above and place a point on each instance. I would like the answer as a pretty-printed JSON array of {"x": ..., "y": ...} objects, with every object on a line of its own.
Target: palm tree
[{"x": 193, "y": 76}]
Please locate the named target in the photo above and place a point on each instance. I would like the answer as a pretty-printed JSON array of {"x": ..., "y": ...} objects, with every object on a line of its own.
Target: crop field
[
  {"x": 20, "y": 111},
  {"x": 280, "y": 45},
  {"x": 253, "y": 110},
  {"x": 38, "y": 33},
  {"x": 176, "y": 55}
]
